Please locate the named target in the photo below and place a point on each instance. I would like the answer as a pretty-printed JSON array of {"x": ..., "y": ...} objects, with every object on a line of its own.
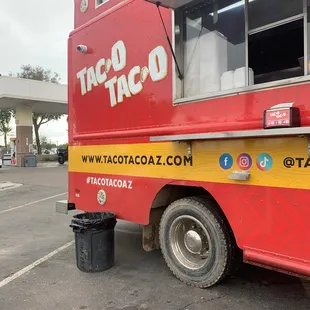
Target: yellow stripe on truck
[{"x": 278, "y": 162}]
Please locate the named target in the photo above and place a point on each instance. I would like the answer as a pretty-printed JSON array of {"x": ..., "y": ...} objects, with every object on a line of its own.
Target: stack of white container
[
  {"x": 236, "y": 79},
  {"x": 205, "y": 61},
  {"x": 206, "y": 65}
]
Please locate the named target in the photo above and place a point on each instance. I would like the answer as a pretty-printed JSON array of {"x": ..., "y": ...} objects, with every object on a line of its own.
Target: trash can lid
[{"x": 94, "y": 218}]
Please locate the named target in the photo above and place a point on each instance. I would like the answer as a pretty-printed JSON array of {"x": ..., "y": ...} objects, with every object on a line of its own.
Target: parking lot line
[
  {"x": 34, "y": 264},
  {"x": 48, "y": 256},
  {"x": 32, "y": 203}
]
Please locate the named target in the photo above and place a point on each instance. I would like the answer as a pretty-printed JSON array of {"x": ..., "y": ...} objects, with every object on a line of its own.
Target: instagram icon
[{"x": 244, "y": 161}]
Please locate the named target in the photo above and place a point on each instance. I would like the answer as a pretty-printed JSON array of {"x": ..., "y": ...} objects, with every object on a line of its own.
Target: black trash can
[{"x": 94, "y": 240}]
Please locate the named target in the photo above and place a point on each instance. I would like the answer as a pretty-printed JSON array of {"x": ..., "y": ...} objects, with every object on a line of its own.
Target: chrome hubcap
[
  {"x": 193, "y": 242},
  {"x": 190, "y": 242}
]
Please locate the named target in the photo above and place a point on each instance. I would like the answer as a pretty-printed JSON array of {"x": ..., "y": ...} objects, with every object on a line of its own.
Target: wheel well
[
  {"x": 167, "y": 195},
  {"x": 171, "y": 193}
]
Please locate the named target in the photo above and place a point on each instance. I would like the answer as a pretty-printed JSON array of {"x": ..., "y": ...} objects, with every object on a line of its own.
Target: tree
[
  {"x": 39, "y": 120},
  {"x": 40, "y": 74},
  {"x": 5, "y": 129},
  {"x": 63, "y": 146},
  {"x": 48, "y": 145}
]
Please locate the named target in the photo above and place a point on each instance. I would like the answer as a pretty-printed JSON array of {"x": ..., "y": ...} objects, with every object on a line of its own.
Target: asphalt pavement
[{"x": 38, "y": 269}]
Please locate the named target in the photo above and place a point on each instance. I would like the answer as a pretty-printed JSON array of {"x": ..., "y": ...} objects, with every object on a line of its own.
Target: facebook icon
[{"x": 226, "y": 161}]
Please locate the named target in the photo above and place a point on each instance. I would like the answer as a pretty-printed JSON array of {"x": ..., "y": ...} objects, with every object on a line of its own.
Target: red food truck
[{"x": 192, "y": 118}]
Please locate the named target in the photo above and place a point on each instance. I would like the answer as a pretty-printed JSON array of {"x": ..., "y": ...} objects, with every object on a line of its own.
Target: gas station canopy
[
  {"x": 42, "y": 97},
  {"x": 172, "y": 4}
]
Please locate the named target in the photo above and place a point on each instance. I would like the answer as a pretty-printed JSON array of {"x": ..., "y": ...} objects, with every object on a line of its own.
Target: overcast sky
[{"x": 35, "y": 32}]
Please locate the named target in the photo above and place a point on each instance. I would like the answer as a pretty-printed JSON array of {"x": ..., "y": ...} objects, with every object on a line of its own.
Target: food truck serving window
[
  {"x": 266, "y": 12},
  {"x": 212, "y": 46},
  {"x": 224, "y": 45}
]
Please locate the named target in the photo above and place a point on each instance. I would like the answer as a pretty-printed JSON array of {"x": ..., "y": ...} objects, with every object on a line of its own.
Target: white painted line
[
  {"x": 48, "y": 256},
  {"x": 6, "y": 185},
  {"x": 36, "y": 263},
  {"x": 32, "y": 203}
]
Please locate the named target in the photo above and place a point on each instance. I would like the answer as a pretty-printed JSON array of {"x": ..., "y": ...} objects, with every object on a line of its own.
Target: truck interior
[
  {"x": 277, "y": 53},
  {"x": 221, "y": 45}
]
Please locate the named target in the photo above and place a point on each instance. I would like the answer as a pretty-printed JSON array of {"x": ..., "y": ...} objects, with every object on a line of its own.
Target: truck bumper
[{"x": 63, "y": 206}]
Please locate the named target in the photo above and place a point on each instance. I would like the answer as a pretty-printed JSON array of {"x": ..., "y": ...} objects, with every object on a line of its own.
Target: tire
[
  {"x": 61, "y": 160},
  {"x": 181, "y": 256}
]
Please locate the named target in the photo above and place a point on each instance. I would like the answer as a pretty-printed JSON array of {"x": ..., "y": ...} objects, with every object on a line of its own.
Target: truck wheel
[
  {"x": 61, "y": 160},
  {"x": 195, "y": 242}
]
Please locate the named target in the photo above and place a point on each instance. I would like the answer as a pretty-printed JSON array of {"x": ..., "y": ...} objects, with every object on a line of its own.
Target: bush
[{"x": 44, "y": 158}]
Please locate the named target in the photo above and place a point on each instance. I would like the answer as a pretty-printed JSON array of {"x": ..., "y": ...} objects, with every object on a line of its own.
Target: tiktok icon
[{"x": 264, "y": 162}]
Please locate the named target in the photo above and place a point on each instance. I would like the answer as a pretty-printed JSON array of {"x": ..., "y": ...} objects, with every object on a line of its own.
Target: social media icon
[
  {"x": 226, "y": 161},
  {"x": 244, "y": 161},
  {"x": 264, "y": 162}
]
